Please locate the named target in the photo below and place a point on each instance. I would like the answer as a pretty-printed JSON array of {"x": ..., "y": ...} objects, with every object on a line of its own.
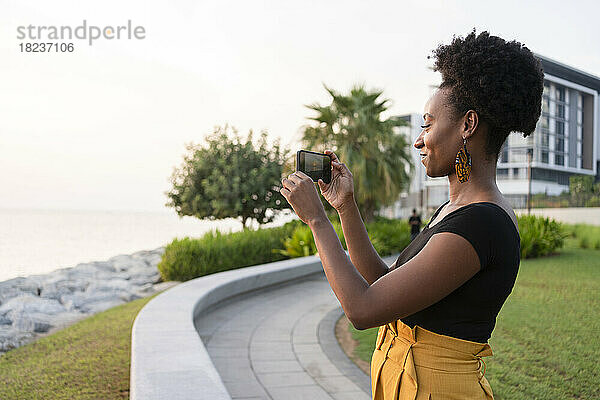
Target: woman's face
[{"x": 441, "y": 138}]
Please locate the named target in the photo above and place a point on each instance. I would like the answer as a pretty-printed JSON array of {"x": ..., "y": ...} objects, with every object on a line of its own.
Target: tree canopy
[
  {"x": 229, "y": 178},
  {"x": 371, "y": 146}
]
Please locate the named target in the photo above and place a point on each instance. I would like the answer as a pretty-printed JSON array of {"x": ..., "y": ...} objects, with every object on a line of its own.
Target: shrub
[
  {"x": 388, "y": 236},
  {"x": 301, "y": 244},
  {"x": 593, "y": 202},
  {"x": 188, "y": 258},
  {"x": 588, "y": 236},
  {"x": 289, "y": 227},
  {"x": 540, "y": 236}
]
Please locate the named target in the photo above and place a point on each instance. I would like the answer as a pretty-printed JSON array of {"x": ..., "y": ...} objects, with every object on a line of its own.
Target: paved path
[
  {"x": 573, "y": 215},
  {"x": 279, "y": 343}
]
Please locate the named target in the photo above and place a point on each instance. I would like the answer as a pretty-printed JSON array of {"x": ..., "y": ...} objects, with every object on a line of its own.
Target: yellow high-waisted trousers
[{"x": 417, "y": 364}]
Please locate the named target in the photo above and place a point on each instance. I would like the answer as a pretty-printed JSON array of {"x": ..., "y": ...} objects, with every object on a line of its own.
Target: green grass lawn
[
  {"x": 545, "y": 342},
  {"x": 87, "y": 360}
]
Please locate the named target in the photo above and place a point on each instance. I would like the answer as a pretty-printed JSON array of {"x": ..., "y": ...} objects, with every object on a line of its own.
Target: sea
[{"x": 40, "y": 241}]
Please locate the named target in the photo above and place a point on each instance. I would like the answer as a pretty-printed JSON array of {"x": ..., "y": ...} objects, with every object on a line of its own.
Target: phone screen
[{"x": 315, "y": 165}]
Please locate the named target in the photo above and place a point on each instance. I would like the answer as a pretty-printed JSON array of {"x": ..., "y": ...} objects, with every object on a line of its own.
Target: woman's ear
[{"x": 471, "y": 121}]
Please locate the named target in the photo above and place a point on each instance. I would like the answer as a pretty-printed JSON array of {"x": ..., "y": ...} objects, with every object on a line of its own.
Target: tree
[
  {"x": 581, "y": 188},
  {"x": 371, "y": 147},
  {"x": 229, "y": 178}
]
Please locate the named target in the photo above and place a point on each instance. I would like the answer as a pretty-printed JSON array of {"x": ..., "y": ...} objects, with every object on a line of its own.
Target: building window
[
  {"x": 559, "y": 159},
  {"x": 544, "y": 156},
  {"x": 560, "y": 177},
  {"x": 560, "y": 93},
  {"x": 563, "y": 179},
  {"x": 545, "y": 105},
  {"x": 560, "y": 110},
  {"x": 560, "y": 144},
  {"x": 504, "y": 154},
  {"x": 545, "y": 142}
]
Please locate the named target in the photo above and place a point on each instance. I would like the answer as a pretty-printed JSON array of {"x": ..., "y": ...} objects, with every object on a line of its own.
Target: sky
[{"x": 103, "y": 127}]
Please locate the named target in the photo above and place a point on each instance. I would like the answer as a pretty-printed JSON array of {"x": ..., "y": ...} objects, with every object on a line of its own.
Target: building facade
[{"x": 565, "y": 142}]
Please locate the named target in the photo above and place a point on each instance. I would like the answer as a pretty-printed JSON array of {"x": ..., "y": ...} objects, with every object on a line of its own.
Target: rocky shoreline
[{"x": 37, "y": 305}]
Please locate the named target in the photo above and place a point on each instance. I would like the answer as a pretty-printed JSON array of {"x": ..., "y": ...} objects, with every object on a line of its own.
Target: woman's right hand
[{"x": 340, "y": 191}]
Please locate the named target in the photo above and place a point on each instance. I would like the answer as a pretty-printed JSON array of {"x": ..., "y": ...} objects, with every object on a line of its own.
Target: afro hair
[{"x": 502, "y": 81}]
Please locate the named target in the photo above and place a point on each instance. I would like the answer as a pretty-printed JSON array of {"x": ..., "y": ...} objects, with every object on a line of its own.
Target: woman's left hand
[{"x": 299, "y": 190}]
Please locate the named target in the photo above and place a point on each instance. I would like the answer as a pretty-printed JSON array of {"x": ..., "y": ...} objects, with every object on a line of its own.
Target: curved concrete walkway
[{"x": 279, "y": 343}]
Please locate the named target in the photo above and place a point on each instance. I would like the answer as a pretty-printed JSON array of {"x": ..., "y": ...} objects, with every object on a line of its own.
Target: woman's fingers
[
  {"x": 322, "y": 185},
  {"x": 338, "y": 165},
  {"x": 332, "y": 154}
]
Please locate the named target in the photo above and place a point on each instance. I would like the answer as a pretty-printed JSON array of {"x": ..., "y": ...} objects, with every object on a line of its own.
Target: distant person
[
  {"x": 436, "y": 306},
  {"x": 415, "y": 224}
]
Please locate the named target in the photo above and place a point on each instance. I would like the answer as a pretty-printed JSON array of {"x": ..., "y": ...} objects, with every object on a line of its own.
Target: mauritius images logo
[{"x": 89, "y": 33}]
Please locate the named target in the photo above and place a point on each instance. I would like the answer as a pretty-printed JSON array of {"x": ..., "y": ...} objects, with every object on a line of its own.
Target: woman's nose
[{"x": 419, "y": 142}]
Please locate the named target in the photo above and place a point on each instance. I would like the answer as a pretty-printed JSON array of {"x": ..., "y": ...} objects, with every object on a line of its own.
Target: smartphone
[{"x": 315, "y": 165}]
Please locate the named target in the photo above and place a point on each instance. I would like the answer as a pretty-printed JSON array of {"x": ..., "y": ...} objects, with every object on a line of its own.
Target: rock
[
  {"x": 139, "y": 270},
  {"x": 77, "y": 301},
  {"x": 85, "y": 301},
  {"x": 110, "y": 285},
  {"x": 26, "y": 304},
  {"x": 67, "y": 318},
  {"x": 23, "y": 284},
  {"x": 11, "y": 338},
  {"x": 33, "y": 322},
  {"x": 37, "y": 305},
  {"x": 94, "y": 308},
  {"x": 31, "y": 314},
  {"x": 143, "y": 255},
  {"x": 146, "y": 287},
  {"x": 154, "y": 259},
  {"x": 140, "y": 280},
  {"x": 129, "y": 296},
  {"x": 120, "y": 275},
  {"x": 56, "y": 276},
  {"x": 72, "y": 301},
  {"x": 89, "y": 271},
  {"x": 8, "y": 293},
  {"x": 106, "y": 266},
  {"x": 20, "y": 284},
  {"x": 57, "y": 289},
  {"x": 125, "y": 262}
]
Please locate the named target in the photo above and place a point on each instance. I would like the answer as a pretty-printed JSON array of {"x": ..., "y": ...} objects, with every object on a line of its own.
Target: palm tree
[{"x": 377, "y": 155}]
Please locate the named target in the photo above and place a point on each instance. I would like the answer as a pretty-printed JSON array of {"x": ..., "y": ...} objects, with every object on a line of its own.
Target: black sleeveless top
[{"x": 470, "y": 311}]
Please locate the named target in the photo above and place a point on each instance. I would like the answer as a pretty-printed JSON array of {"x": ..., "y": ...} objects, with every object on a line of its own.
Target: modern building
[{"x": 565, "y": 142}]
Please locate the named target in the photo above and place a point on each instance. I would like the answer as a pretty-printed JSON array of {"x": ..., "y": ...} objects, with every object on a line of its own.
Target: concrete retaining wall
[{"x": 168, "y": 358}]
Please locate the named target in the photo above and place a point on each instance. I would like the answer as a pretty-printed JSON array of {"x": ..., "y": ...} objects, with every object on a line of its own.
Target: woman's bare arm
[{"x": 361, "y": 250}]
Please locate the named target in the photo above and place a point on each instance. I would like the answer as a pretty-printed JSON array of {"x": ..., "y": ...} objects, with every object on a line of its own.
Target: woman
[{"x": 436, "y": 306}]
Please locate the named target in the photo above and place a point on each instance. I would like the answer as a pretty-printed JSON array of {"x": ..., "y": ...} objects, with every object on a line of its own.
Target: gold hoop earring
[{"x": 463, "y": 163}]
